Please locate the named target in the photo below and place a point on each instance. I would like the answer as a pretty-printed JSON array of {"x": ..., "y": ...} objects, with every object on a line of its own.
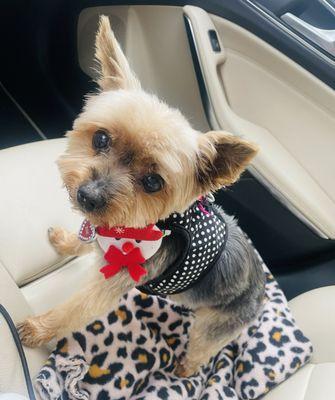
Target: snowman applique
[{"x": 124, "y": 247}]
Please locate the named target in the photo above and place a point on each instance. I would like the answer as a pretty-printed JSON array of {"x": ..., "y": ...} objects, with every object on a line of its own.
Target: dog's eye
[
  {"x": 101, "y": 141},
  {"x": 152, "y": 183}
]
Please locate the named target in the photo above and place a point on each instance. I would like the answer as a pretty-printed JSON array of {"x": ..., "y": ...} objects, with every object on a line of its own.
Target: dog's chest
[{"x": 203, "y": 235}]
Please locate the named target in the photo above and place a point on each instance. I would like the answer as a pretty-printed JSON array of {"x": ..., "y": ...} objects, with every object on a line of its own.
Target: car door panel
[{"x": 289, "y": 114}]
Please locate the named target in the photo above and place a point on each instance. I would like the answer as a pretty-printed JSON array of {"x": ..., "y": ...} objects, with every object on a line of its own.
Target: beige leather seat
[
  {"x": 34, "y": 278},
  {"x": 314, "y": 312}
]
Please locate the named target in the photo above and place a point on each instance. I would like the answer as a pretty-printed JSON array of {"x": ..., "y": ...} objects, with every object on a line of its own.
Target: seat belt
[{"x": 16, "y": 338}]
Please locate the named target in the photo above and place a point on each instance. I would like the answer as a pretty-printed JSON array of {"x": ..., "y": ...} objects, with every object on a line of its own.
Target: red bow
[{"x": 117, "y": 260}]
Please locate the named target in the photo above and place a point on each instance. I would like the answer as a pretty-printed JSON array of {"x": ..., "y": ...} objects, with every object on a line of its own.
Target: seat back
[{"x": 33, "y": 277}]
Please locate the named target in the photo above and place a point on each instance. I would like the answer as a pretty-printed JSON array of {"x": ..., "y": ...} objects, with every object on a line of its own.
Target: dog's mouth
[
  {"x": 108, "y": 205},
  {"x": 93, "y": 207},
  {"x": 102, "y": 209}
]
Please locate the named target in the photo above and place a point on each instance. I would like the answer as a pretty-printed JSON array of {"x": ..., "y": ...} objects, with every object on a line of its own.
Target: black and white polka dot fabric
[{"x": 205, "y": 236}]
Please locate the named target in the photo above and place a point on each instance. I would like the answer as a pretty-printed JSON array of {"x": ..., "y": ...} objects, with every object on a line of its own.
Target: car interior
[{"x": 260, "y": 69}]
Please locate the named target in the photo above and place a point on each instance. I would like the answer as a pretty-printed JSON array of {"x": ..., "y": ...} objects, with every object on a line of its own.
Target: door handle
[{"x": 324, "y": 38}]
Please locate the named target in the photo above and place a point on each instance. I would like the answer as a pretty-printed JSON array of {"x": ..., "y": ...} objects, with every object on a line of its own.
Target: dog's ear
[
  {"x": 114, "y": 70},
  {"x": 222, "y": 158}
]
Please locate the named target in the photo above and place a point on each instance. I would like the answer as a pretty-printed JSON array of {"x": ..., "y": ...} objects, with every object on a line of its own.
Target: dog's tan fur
[
  {"x": 147, "y": 136},
  {"x": 67, "y": 243},
  {"x": 201, "y": 347}
]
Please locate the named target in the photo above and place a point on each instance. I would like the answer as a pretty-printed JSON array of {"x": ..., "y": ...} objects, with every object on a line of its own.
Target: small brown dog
[{"x": 133, "y": 161}]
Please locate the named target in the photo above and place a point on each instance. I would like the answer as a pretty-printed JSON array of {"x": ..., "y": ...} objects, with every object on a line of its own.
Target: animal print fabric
[{"x": 131, "y": 353}]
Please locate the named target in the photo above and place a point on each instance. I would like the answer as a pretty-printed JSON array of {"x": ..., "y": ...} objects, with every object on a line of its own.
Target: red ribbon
[{"x": 117, "y": 260}]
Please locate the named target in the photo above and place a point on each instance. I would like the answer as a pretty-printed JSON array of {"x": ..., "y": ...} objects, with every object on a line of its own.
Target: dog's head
[{"x": 132, "y": 159}]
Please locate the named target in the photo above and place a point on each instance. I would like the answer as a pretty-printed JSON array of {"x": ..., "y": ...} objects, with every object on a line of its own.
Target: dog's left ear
[
  {"x": 114, "y": 70},
  {"x": 222, "y": 158}
]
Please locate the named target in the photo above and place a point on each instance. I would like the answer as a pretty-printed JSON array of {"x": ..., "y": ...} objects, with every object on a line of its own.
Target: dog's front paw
[
  {"x": 64, "y": 242},
  {"x": 32, "y": 333}
]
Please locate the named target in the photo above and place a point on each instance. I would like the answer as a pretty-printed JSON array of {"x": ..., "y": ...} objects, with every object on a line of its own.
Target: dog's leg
[
  {"x": 98, "y": 297},
  {"x": 210, "y": 332},
  {"x": 67, "y": 243}
]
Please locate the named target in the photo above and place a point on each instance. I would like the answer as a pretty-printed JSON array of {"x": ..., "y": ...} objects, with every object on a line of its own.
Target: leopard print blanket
[{"x": 131, "y": 353}]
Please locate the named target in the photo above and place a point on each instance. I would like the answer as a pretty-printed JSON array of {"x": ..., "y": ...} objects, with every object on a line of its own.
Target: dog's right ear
[
  {"x": 222, "y": 158},
  {"x": 114, "y": 70}
]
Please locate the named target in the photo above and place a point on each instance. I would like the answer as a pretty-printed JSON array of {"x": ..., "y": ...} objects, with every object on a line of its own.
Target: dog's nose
[{"x": 90, "y": 198}]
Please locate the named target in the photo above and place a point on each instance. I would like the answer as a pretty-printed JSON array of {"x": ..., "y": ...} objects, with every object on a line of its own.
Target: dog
[{"x": 133, "y": 161}]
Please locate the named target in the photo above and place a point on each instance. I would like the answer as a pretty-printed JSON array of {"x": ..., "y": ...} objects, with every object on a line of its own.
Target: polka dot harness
[{"x": 204, "y": 232}]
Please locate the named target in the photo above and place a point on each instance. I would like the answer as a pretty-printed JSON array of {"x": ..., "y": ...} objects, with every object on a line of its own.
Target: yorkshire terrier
[{"x": 132, "y": 161}]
